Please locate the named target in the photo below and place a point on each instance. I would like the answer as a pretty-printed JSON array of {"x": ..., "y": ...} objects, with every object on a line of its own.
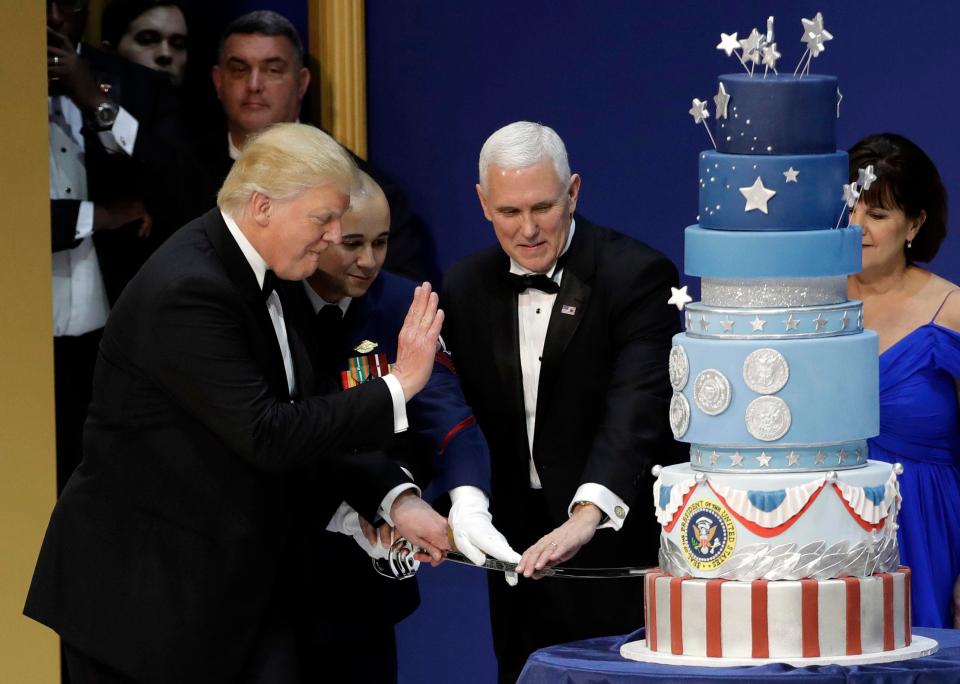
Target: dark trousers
[
  {"x": 74, "y": 359},
  {"x": 539, "y": 613},
  {"x": 83, "y": 669}
]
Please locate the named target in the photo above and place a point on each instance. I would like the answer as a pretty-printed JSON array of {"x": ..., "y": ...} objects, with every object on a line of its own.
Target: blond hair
[{"x": 282, "y": 161}]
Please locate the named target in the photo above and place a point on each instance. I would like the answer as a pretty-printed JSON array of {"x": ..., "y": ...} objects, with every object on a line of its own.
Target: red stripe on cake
[
  {"x": 810, "y": 611},
  {"x": 907, "y": 607},
  {"x": 852, "y": 586},
  {"x": 676, "y": 615},
  {"x": 714, "y": 644},
  {"x": 887, "y": 580},
  {"x": 758, "y": 618},
  {"x": 651, "y": 616}
]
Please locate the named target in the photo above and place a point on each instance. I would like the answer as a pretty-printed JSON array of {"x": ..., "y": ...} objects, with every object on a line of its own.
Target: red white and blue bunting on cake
[{"x": 768, "y": 513}]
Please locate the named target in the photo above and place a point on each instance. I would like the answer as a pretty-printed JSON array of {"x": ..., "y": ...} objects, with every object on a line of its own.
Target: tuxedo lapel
[
  {"x": 568, "y": 311},
  {"x": 238, "y": 270},
  {"x": 505, "y": 345}
]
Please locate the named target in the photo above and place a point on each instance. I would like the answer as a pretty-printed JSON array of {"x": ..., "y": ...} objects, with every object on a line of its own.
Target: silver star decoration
[
  {"x": 851, "y": 194},
  {"x": 728, "y": 43},
  {"x": 722, "y": 99},
  {"x": 842, "y": 456},
  {"x": 757, "y": 196},
  {"x": 699, "y": 455},
  {"x": 791, "y": 322},
  {"x": 680, "y": 298},
  {"x": 699, "y": 111},
  {"x": 714, "y": 458},
  {"x": 770, "y": 56},
  {"x": 820, "y": 458},
  {"x": 845, "y": 321},
  {"x": 860, "y": 318},
  {"x": 859, "y": 453},
  {"x": 750, "y": 46},
  {"x": 764, "y": 460},
  {"x": 793, "y": 458},
  {"x": 865, "y": 177},
  {"x": 736, "y": 459},
  {"x": 819, "y": 322},
  {"x": 689, "y": 320},
  {"x": 791, "y": 175},
  {"x": 704, "y": 323},
  {"x": 839, "y": 99},
  {"x": 757, "y": 323},
  {"x": 815, "y": 35},
  {"x": 727, "y": 325}
]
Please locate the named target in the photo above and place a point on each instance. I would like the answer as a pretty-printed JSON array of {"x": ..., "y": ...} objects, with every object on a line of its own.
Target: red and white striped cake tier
[{"x": 777, "y": 619}]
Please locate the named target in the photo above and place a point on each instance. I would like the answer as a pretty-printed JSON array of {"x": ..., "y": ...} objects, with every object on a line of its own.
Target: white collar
[
  {"x": 520, "y": 270},
  {"x": 252, "y": 256},
  {"x": 232, "y": 149},
  {"x": 319, "y": 302}
]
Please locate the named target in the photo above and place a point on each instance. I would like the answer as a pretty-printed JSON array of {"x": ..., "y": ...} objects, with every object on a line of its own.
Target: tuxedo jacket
[
  {"x": 603, "y": 394},
  {"x": 169, "y": 548},
  {"x": 162, "y": 172}
]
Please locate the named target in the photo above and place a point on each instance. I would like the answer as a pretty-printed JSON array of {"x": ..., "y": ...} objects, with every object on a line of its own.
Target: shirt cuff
[
  {"x": 84, "y": 221},
  {"x": 399, "y": 405},
  {"x": 122, "y": 136},
  {"x": 391, "y": 496},
  {"x": 608, "y": 502}
]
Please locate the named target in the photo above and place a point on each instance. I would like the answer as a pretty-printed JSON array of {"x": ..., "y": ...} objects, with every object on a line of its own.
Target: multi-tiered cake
[{"x": 779, "y": 537}]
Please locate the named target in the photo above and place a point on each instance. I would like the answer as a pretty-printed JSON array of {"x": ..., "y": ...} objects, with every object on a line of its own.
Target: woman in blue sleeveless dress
[{"x": 916, "y": 315}]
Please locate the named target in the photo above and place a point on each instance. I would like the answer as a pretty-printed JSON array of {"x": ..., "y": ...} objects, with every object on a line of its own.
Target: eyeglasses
[{"x": 68, "y": 6}]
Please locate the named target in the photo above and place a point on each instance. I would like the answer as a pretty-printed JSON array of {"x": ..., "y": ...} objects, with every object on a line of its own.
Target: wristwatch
[{"x": 104, "y": 115}]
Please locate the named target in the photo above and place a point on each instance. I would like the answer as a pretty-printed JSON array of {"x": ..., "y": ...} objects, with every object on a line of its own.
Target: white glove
[
  {"x": 473, "y": 530},
  {"x": 347, "y": 521}
]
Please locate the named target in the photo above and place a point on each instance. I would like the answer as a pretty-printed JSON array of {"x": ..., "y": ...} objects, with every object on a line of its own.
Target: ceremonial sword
[{"x": 400, "y": 564}]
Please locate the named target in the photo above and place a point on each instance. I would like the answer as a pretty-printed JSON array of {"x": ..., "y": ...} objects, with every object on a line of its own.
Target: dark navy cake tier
[
  {"x": 778, "y": 115},
  {"x": 799, "y": 192}
]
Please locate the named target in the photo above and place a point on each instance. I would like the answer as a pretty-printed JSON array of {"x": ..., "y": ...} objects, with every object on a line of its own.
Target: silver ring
[{"x": 56, "y": 60}]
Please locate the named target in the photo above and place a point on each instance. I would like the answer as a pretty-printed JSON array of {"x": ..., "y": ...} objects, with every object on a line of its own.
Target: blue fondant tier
[
  {"x": 804, "y": 392},
  {"x": 809, "y": 191},
  {"x": 722, "y": 459},
  {"x": 778, "y": 115},
  {"x": 771, "y": 254}
]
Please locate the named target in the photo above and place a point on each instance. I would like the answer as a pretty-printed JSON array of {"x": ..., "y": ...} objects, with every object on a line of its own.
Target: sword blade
[{"x": 559, "y": 571}]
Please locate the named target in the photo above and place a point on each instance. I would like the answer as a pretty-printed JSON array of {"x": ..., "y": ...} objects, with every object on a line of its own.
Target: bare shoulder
[{"x": 949, "y": 316}]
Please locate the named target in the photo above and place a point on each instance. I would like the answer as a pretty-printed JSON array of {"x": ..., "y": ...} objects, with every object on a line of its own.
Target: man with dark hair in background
[{"x": 261, "y": 78}]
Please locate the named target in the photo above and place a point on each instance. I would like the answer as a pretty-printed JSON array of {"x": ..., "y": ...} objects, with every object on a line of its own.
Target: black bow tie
[
  {"x": 534, "y": 281},
  {"x": 330, "y": 314},
  {"x": 269, "y": 283}
]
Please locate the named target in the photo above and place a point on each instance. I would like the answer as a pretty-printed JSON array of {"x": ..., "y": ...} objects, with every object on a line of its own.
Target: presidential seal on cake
[{"x": 779, "y": 536}]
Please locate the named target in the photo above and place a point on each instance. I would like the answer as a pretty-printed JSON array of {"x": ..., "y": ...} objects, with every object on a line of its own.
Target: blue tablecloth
[{"x": 598, "y": 661}]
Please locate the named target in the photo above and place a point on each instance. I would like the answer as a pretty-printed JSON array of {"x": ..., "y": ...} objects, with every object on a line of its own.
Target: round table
[{"x": 598, "y": 661}]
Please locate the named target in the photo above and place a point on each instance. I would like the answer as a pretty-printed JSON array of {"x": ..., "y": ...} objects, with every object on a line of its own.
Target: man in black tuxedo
[
  {"x": 561, "y": 335},
  {"x": 261, "y": 79},
  {"x": 170, "y": 553}
]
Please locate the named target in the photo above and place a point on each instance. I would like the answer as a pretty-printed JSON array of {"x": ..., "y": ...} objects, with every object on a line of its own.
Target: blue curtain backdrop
[{"x": 615, "y": 78}]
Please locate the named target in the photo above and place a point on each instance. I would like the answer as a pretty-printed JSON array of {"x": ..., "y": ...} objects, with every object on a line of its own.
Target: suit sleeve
[
  {"x": 63, "y": 224},
  {"x": 201, "y": 355},
  {"x": 634, "y": 434}
]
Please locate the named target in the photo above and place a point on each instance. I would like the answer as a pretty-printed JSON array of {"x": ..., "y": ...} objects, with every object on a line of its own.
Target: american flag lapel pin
[{"x": 568, "y": 310}]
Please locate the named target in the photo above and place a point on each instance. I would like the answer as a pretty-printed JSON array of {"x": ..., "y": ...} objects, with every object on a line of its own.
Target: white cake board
[{"x": 920, "y": 646}]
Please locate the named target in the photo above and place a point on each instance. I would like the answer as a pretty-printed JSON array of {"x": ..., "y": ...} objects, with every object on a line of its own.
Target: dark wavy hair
[{"x": 907, "y": 180}]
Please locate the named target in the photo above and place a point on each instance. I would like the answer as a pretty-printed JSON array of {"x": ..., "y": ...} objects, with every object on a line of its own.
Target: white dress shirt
[{"x": 533, "y": 318}]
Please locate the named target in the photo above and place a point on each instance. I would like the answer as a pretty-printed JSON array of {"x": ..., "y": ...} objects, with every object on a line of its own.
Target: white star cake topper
[
  {"x": 699, "y": 111},
  {"x": 757, "y": 196},
  {"x": 679, "y": 298},
  {"x": 721, "y": 99},
  {"x": 728, "y": 43},
  {"x": 791, "y": 175},
  {"x": 866, "y": 177},
  {"x": 815, "y": 35}
]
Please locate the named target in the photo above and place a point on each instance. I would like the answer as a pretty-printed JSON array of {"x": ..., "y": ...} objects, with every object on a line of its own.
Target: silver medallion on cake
[
  {"x": 765, "y": 371},
  {"x": 711, "y": 392},
  {"x": 679, "y": 415},
  {"x": 768, "y": 418},
  {"x": 679, "y": 367}
]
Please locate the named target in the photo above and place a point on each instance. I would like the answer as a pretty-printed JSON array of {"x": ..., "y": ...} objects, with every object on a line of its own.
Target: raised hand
[{"x": 417, "y": 344}]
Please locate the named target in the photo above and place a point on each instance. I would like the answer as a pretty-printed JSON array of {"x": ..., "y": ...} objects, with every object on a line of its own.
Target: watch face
[{"x": 106, "y": 114}]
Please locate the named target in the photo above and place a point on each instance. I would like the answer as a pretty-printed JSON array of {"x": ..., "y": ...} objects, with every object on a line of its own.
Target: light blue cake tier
[
  {"x": 827, "y": 394},
  {"x": 809, "y": 191},
  {"x": 723, "y": 459},
  {"x": 778, "y": 114},
  {"x": 729, "y": 323},
  {"x": 771, "y": 254}
]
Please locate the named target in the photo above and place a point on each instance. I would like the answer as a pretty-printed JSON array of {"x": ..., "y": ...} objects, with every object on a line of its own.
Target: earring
[{"x": 909, "y": 244}]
